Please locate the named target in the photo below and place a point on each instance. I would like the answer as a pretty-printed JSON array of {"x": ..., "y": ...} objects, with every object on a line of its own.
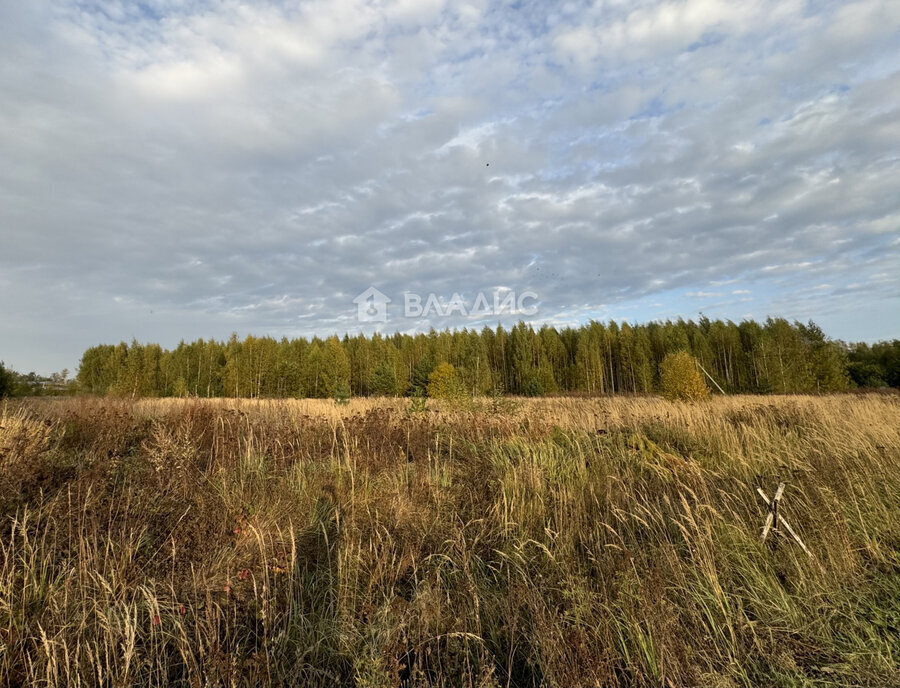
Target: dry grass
[{"x": 556, "y": 542}]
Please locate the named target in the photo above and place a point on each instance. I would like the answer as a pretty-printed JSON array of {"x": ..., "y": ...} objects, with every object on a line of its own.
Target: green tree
[
  {"x": 420, "y": 374},
  {"x": 179, "y": 388},
  {"x": 474, "y": 368},
  {"x": 532, "y": 386},
  {"x": 828, "y": 360},
  {"x": 681, "y": 379},
  {"x": 341, "y": 393},
  {"x": 787, "y": 358},
  {"x": 877, "y": 365},
  {"x": 6, "y": 381},
  {"x": 335, "y": 370},
  {"x": 589, "y": 359},
  {"x": 383, "y": 380}
]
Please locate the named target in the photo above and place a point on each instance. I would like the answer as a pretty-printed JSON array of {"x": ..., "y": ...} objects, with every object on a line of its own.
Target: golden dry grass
[{"x": 553, "y": 542}]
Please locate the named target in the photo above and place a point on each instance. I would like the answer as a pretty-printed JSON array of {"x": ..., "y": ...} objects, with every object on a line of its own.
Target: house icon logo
[{"x": 371, "y": 306}]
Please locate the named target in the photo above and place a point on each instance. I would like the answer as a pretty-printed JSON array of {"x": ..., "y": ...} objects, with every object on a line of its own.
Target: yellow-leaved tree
[
  {"x": 444, "y": 383},
  {"x": 680, "y": 378}
]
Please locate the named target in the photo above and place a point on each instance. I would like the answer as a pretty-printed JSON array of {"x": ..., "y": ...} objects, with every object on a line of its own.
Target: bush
[{"x": 681, "y": 379}]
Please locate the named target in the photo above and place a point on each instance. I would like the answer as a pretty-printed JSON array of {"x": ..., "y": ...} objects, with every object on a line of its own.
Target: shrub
[{"x": 680, "y": 378}]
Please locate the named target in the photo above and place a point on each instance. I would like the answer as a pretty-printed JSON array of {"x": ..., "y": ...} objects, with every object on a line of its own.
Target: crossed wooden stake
[{"x": 774, "y": 518}]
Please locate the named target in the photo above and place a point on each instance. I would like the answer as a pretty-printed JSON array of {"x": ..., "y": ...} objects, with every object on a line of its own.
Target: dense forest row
[{"x": 597, "y": 358}]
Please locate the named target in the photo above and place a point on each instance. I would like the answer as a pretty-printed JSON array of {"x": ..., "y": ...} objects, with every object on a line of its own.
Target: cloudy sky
[{"x": 179, "y": 169}]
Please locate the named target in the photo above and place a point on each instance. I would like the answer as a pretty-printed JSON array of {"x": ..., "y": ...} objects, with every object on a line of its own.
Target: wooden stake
[{"x": 774, "y": 518}]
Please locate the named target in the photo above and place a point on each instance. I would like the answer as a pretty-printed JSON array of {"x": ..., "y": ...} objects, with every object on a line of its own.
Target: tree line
[
  {"x": 15, "y": 384},
  {"x": 774, "y": 356}
]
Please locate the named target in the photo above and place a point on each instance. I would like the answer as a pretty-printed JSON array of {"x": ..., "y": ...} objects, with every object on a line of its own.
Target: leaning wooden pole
[{"x": 711, "y": 378}]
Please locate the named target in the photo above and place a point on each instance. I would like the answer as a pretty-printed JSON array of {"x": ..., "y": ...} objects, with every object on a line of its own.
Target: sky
[{"x": 177, "y": 169}]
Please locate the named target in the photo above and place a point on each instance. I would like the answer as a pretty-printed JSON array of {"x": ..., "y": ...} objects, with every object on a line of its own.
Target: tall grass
[{"x": 554, "y": 542}]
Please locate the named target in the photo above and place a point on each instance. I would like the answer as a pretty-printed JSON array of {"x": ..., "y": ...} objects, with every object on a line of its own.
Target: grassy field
[{"x": 557, "y": 542}]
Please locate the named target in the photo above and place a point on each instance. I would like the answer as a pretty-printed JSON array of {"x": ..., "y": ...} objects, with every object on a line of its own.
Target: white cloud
[{"x": 248, "y": 166}]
